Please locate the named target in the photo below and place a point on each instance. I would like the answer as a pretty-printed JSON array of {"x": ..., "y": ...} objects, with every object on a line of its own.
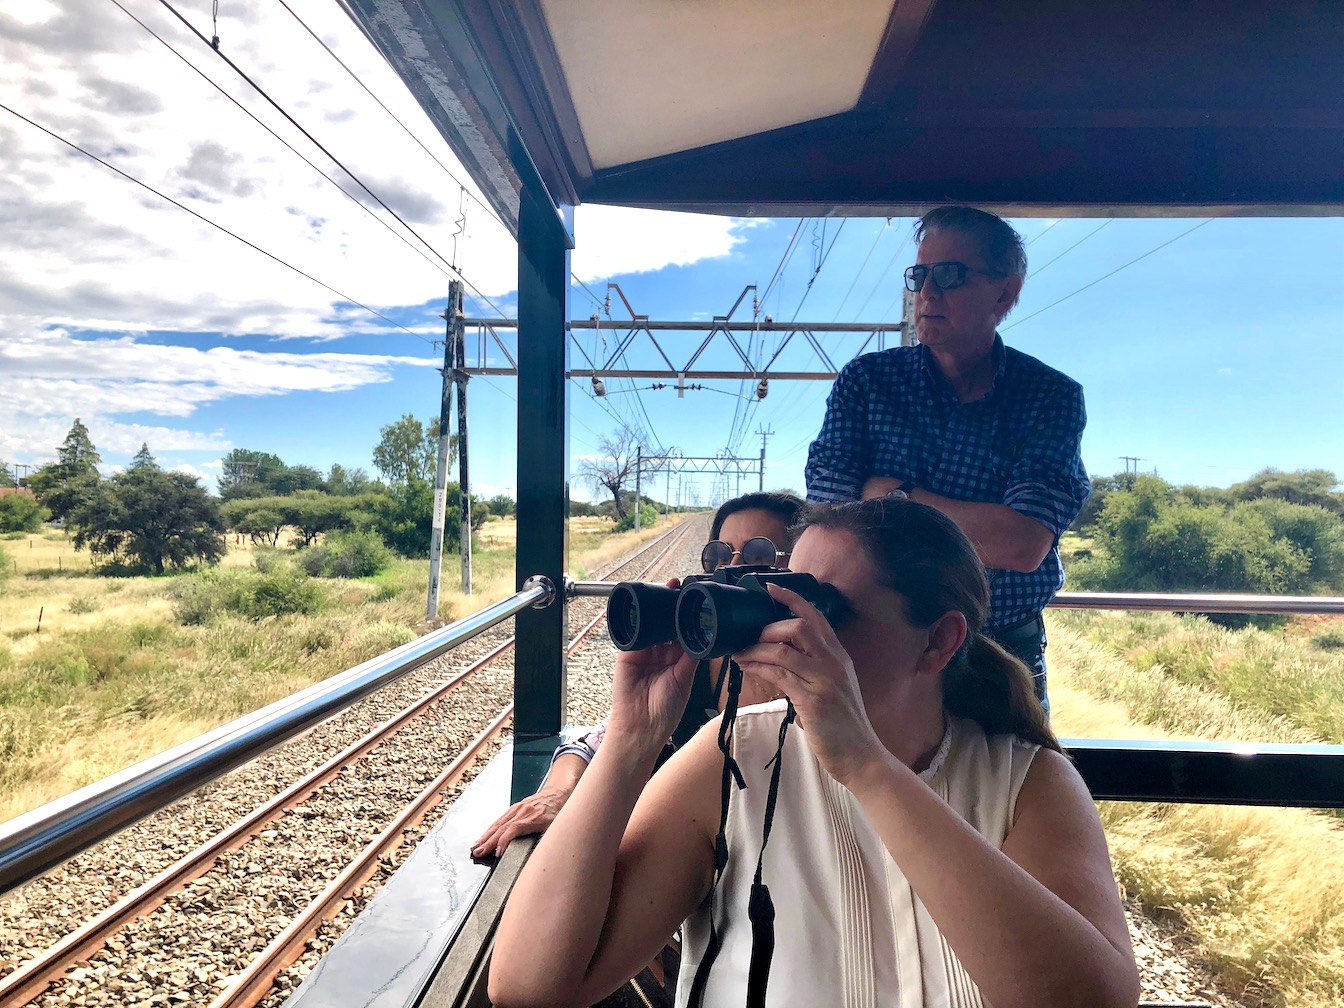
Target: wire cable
[
  {"x": 788, "y": 249},
  {"x": 859, "y": 272},
  {"x": 296, "y": 152},
  {"x": 1038, "y": 272},
  {"x": 354, "y": 76},
  {"x": 220, "y": 227},
  {"x": 883, "y": 275},
  {"x": 357, "y": 180},
  {"x": 587, "y": 290},
  {"x": 1113, "y": 272}
]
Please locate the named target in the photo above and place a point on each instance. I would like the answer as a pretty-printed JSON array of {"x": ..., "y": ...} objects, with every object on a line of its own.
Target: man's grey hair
[{"x": 1001, "y": 245}]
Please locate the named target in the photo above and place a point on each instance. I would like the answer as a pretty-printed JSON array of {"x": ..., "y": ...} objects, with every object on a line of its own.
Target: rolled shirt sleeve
[{"x": 1047, "y": 481}]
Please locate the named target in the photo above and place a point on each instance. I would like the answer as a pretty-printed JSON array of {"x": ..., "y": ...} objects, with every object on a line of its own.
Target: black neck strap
[{"x": 760, "y": 907}]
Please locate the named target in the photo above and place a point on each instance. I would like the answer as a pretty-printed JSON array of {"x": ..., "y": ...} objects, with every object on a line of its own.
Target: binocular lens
[
  {"x": 641, "y": 615},
  {"x": 718, "y": 619},
  {"x": 695, "y": 623}
]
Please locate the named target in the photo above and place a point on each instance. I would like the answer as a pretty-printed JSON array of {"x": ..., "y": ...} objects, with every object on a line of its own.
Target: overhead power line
[
  {"x": 335, "y": 160},
  {"x": 1038, "y": 272},
  {"x": 296, "y": 152},
  {"x": 788, "y": 251},
  {"x": 1113, "y": 272},
  {"x": 448, "y": 171},
  {"x": 859, "y": 272},
  {"x": 220, "y": 227}
]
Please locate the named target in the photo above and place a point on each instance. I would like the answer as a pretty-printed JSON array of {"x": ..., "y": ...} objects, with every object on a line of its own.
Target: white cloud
[
  {"x": 200, "y": 474},
  {"x": 53, "y": 377},
  {"x": 83, "y": 250},
  {"x": 610, "y": 240}
]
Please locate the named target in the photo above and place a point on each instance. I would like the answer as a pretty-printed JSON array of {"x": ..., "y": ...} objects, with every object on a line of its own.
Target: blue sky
[{"x": 1209, "y": 359}]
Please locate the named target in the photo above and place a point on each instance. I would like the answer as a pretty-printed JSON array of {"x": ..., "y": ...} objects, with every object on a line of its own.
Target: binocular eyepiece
[{"x": 710, "y": 615}]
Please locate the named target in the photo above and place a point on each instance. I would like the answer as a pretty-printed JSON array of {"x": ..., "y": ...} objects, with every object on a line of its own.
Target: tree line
[
  {"x": 146, "y": 519},
  {"x": 1275, "y": 533}
]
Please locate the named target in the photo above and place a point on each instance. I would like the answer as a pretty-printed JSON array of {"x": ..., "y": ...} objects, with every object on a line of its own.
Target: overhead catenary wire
[
  {"x": 739, "y": 429},
  {"x": 859, "y": 272},
  {"x": 337, "y": 161},
  {"x": 883, "y": 275},
  {"x": 486, "y": 206},
  {"x": 297, "y": 153},
  {"x": 1039, "y": 270},
  {"x": 1113, "y": 272},
  {"x": 788, "y": 250},
  {"x": 213, "y": 224}
]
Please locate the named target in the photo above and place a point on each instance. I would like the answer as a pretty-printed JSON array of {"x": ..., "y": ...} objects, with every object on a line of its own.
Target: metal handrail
[
  {"x": 1148, "y": 601},
  {"x": 1196, "y": 603},
  {"x": 37, "y": 841}
]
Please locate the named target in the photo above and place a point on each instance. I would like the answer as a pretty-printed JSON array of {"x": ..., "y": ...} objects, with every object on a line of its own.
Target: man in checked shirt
[{"x": 982, "y": 432}]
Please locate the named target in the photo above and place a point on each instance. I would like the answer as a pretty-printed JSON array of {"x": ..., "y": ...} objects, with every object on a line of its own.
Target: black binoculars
[{"x": 711, "y": 615}]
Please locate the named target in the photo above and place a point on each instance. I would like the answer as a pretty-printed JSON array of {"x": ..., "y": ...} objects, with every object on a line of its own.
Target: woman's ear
[{"x": 946, "y": 635}]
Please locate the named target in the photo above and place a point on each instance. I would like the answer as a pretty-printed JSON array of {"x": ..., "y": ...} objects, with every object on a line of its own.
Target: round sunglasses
[{"x": 756, "y": 552}]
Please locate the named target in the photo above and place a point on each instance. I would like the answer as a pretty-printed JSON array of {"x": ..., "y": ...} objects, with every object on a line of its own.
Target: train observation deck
[{"x": 754, "y": 108}]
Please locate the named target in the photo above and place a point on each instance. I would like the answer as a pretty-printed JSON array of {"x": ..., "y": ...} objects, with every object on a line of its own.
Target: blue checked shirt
[{"x": 893, "y": 414}]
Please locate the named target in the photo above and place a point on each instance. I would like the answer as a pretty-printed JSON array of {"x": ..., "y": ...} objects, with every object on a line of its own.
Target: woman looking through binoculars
[
  {"x": 930, "y": 843},
  {"x": 753, "y": 528}
]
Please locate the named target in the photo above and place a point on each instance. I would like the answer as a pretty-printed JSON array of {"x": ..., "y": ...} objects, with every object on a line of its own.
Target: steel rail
[
  {"x": 258, "y": 977},
  {"x": 37, "y": 974},
  {"x": 40, "y": 972},
  {"x": 37, "y": 841}
]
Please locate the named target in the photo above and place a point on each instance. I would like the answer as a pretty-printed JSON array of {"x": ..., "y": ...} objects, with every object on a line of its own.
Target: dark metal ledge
[{"x": 1212, "y": 773}]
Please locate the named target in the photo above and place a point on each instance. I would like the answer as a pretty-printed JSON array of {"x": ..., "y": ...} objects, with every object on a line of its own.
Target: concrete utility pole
[
  {"x": 764, "y": 434},
  {"x": 639, "y": 468},
  {"x": 908, "y": 334},
  {"x": 457, "y": 336},
  {"x": 441, "y": 470}
]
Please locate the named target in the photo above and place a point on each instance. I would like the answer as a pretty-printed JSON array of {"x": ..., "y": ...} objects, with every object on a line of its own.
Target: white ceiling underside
[{"x": 651, "y": 77}]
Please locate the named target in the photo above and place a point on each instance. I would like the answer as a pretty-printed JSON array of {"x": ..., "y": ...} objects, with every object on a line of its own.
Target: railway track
[{"x": 226, "y": 917}]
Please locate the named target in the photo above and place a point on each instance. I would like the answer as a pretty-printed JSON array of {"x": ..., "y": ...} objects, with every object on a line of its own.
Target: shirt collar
[{"x": 998, "y": 352}]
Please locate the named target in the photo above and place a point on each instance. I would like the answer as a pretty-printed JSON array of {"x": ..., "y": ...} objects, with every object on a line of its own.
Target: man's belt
[{"x": 1029, "y": 629}]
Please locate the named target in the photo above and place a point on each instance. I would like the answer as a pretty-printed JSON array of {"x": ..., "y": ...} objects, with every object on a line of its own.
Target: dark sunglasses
[
  {"x": 757, "y": 552},
  {"x": 946, "y": 275}
]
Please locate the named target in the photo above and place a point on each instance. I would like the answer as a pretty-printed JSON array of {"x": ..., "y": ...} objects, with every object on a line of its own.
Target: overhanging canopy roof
[{"x": 812, "y": 107}]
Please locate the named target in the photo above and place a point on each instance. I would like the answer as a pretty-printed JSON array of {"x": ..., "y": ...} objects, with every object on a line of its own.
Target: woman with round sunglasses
[
  {"x": 913, "y": 838},
  {"x": 986, "y": 434},
  {"x": 755, "y": 526}
]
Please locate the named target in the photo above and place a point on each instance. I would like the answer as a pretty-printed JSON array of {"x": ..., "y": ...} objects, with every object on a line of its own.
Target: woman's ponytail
[{"x": 992, "y": 688}]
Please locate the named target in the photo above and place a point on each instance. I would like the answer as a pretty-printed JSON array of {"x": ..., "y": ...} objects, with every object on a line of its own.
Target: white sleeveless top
[{"x": 849, "y": 931}]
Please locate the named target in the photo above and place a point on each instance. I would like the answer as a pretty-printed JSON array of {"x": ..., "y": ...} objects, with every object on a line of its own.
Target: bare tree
[{"x": 615, "y": 466}]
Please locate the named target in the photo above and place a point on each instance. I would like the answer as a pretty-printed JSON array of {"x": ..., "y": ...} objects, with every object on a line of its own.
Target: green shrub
[
  {"x": 84, "y": 604},
  {"x": 21, "y": 513},
  {"x": 266, "y": 559},
  {"x": 253, "y": 594},
  {"x": 280, "y": 594},
  {"x": 1329, "y": 639},
  {"x": 347, "y": 555},
  {"x": 648, "y": 517}
]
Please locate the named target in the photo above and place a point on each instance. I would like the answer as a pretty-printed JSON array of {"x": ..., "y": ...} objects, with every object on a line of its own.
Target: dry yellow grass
[{"x": 1261, "y": 890}]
